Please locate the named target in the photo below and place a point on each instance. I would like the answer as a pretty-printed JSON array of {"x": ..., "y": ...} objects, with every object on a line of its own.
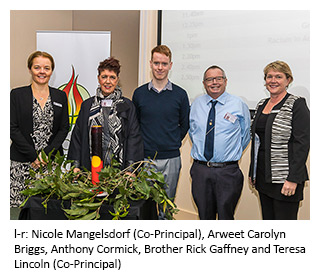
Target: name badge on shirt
[
  {"x": 57, "y": 104},
  {"x": 229, "y": 117},
  {"x": 106, "y": 103}
]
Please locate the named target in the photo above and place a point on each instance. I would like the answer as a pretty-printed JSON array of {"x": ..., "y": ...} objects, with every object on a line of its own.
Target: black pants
[
  {"x": 273, "y": 209},
  {"x": 216, "y": 190}
]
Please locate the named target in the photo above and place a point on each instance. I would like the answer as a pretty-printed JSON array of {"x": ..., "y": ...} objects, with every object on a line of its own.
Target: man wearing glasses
[{"x": 220, "y": 132}]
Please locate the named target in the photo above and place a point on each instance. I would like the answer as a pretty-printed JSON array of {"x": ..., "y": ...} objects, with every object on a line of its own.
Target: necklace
[{"x": 38, "y": 92}]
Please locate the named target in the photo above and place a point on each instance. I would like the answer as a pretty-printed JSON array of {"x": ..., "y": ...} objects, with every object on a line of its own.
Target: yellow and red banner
[{"x": 77, "y": 55}]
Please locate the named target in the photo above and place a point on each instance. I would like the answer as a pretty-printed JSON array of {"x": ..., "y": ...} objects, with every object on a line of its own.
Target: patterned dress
[{"x": 42, "y": 131}]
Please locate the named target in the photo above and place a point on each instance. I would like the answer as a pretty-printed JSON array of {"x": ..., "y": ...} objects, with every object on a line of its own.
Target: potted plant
[{"x": 115, "y": 187}]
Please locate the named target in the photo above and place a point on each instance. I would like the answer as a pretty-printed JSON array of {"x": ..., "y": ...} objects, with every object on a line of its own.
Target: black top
[
  {"x": 260, "y": 130},
  {"x": 22, "y": 148},
  {"x": 130, "y": 138}
]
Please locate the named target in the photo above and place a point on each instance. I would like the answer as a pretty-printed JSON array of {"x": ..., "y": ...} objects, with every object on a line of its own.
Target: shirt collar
[
  {"x": 221, "y": 99},
  {"x": 167, "y": 87}
]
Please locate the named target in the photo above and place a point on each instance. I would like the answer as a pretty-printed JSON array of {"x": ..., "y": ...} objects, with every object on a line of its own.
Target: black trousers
[
  {"x": 216, "y": 190},
  {"x": 273, "y": 209}
]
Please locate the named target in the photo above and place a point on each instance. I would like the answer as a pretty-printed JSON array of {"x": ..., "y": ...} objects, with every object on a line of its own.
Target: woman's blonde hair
[
  {"x": 279, "y": 66},
  {"x": 39, "y": 54}
]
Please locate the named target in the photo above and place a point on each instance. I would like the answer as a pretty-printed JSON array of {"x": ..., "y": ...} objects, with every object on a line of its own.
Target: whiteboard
[{"x": 242, "y": 43}]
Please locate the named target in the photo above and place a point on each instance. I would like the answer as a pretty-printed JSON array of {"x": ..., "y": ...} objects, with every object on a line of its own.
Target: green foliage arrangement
[{"x": 118, "y": 187}]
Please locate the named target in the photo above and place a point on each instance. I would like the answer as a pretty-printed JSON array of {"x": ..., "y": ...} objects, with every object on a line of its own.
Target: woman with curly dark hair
[{"x": 116, "y": 114}]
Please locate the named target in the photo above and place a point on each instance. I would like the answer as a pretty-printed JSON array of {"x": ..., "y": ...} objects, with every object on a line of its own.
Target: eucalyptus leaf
[
  {"x": 90, "y": 216},
  {"x": 44, "y": 156},
  {"x": 77, "y": 211},
  {"x": 56, "y": 180},
  {"x": 91, "y": 206}
]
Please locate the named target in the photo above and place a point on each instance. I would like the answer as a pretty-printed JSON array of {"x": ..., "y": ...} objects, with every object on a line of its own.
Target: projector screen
[{"x": 242, "y": 43}]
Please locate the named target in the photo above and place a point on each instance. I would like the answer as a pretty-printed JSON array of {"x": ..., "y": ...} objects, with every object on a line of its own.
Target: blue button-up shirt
[{"x": 231, "y": 135}]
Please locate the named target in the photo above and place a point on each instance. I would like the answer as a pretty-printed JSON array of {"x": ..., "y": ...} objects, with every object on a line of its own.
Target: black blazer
[
  {"x": 298, "y": 145},
  {"x": 21, "y": 123},
  {"x": 130, "y": 138}
]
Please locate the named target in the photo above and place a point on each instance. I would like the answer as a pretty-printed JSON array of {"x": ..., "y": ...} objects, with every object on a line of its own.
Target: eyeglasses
[{"x": 211, "y": 79}]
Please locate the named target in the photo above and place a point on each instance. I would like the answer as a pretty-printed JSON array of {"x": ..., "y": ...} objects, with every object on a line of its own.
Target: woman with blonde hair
[
  {"x": 38, "y": 121},
  {"x": 280, "y": 145}
]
